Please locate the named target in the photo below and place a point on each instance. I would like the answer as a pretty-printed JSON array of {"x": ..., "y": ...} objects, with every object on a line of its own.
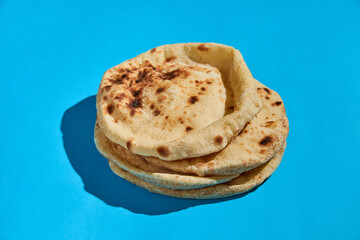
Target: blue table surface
[{"x": 55, "y": 185}]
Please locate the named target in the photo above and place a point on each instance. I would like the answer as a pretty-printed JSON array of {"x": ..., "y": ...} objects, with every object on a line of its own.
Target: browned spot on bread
[
  {"x": 278, "y": 103},
  {"x": 248, "y": 151},
  {"x": 132, "y": 112},
  {"x": 136, "y": 103},
  {"x": 128, "y": 145},
  {"x": 193, "y": 99},
  {"x": 232, "y": 108},
  {"x": 203, "y": 89},
  {"x": 161, "y": 98},
  {"x": 120, "y": 97},
  {"x": 166, "y": 117},
  {"x": 110, "y": 108},
  {"x": 169, "y": 59},
  {"x": 245, "y": 131},
  {"x": 267, "y": 90},
  {"x": 197, "y": 81},
  {"x": 152, "y": 106},
  {"x": 174, "y": 74},
  {"x": 267, "y": 97},
  {"x": 219, "y": 139},
  {"x": 266, "y": 141},
  {"x": 202, "y": 47},
  {"x": 269, "y": 123},
  {"x": 153, "y": 50},
  {"x": 258, "y": 88},
  {"x": 262, "y": 151},
  {"x": 156, "y": 112},
  {"x": 208, "y": 82},
  {"x": 119, "y": 79},
  {"x": 106, "y": 88},
  {"x": 104, "y": 98},
  {"x": 163, "y": 151},
  {"x": 159, "y": 90},
  {"x": 141, "y": 76},
  {"x": 188, "y": 129},
  {"x": 135, "y": 93}
]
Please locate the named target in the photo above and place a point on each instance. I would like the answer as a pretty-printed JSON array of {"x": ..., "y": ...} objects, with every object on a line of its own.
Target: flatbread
[
  {"x": 259, "y": 141},
  {"x": 177, "y": 101},
  {"x": 151, "y": 173},
  {"x": 244, "y": 183}
]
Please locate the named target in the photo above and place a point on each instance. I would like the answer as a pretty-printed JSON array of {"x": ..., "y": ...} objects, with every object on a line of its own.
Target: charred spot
[
  {"x": 156, "y": 112},
  {"x": 119, "y": 79},
  {"x": 193, "y": 99},
  {"x": 266, "y": 141},
  {"x": 136, "y": 103},
  {"x": 153, "y": 50},
  {"x": 166, "y": 117},
  {"x": 141, "y": 76},
  {"x": 175, "y": 73},
  {"x": 269, "y": 123},
  {"x": 106, "y": 88},
  {"x": 197, "y": 81},
  {"x": 267, "y": 97},
  {"x": 188, "y": 129},
  {"x": 136, "y": 93},
  {"x": 128, "y": 145},
  {"x": 110, "y": 109},
  {"x": 267, "y": 90},
  {"x": 159, "y": 90},
  {"x": 203, "y": 89},
  {"x": 202, "y": 47},
  {"x": 132, "y": 112},
  {"x": 278, "y": 103},
  {"x": 152, "y": 106},
  {"x": 232, "y": 108},
  {"x": 169, "y": 59},
  {"x": 120, "y": 96},
  {"x": 163, "y": 151},
  {"x": 219, "y": 139}
]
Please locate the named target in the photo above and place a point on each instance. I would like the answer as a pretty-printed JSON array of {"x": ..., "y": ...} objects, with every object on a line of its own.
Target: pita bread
[
  {"x": 151, "y": 173},
  {"x": 259, "y": 141},
  {"x": 244, "y": 183},
  {"x": 177, "y": 101}
]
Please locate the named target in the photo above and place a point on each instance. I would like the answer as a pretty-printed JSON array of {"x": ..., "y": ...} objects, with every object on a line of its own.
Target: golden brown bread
[{"x": 177, "y": 101}]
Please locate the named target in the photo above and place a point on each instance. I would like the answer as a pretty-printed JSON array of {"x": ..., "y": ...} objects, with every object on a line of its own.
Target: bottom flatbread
[{"x": 244, "y": 183}]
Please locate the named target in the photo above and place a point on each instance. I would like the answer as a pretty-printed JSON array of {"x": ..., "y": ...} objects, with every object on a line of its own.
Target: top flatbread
[{"x": 177, "y": 101}]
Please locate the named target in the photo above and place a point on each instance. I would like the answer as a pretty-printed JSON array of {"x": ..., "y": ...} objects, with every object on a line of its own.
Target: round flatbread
[
  {"x": 156, "y": 175},
  {"x": 244, "y": 183},
  {"x": 259, "y": 141},
  {"x": 177, "y": 101}
]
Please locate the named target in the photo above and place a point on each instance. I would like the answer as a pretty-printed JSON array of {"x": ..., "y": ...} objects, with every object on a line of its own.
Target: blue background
[{"x": 54, "y": 184}]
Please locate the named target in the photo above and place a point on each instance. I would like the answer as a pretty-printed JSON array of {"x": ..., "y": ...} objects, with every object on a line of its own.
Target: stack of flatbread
[{"x": 190, "y": 121}]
